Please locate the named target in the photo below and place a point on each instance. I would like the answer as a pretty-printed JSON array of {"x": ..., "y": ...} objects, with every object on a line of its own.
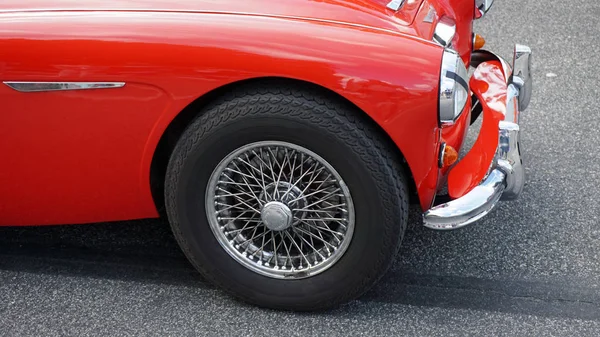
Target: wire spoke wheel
[
  {"x": 280, "y": 210},
  {"x": 272, "y": 222}
]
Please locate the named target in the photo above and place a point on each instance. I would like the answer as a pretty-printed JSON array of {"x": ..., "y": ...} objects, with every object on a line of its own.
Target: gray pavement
[{"x": 530, "y": 268}]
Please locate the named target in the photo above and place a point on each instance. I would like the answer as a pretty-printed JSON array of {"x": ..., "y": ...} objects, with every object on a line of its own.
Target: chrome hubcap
[
  {"x": 280, "y": 210},
  {"x": 276, "y": 215}
]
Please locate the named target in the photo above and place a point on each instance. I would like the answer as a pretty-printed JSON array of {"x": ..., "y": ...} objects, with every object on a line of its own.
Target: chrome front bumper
[{"x": 507, "y": 175}]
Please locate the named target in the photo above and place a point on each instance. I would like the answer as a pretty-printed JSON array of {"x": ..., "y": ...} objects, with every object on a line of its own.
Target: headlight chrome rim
[{"x": 454, "y": 88}]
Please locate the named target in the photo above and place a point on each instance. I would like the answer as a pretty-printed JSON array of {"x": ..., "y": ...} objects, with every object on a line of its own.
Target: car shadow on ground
[{"x": 145, "y": 251}]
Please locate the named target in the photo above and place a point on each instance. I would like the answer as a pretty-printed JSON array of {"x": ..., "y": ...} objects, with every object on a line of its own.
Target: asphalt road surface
[{"x": 531, "y": 268}]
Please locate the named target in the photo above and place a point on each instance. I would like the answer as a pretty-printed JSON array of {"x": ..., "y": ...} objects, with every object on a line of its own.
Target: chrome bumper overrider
[{"x": 507, "y": 176}]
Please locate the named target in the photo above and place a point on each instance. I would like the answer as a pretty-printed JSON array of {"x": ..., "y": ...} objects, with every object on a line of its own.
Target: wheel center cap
[{"x": 276, "y": 215}]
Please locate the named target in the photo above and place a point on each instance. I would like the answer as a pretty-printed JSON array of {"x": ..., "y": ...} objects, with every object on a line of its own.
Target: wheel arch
[{"x": 177, "y": 126}]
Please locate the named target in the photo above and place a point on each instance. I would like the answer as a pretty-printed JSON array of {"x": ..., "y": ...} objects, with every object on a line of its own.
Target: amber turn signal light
[
  {"x": 478, "y": 42},
  {"x": 449, "y": 157}
]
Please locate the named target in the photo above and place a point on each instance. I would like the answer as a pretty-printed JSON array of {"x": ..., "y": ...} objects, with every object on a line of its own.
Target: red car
[{"x": 283, "y": 140}]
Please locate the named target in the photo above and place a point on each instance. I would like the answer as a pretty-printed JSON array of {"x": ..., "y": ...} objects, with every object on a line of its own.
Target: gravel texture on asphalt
[{"x": 532, "y": 267}]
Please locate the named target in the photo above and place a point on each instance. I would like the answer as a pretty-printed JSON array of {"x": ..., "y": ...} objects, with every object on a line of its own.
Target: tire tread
[{"x": 327, "y": 112}]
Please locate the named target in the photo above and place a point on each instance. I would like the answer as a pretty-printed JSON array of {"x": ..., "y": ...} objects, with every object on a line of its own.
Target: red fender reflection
[{"x": 489, "y": 85}]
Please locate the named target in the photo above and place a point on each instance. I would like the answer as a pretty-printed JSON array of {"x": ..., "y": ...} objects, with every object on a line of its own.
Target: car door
[{"x": 74, "y": 123}]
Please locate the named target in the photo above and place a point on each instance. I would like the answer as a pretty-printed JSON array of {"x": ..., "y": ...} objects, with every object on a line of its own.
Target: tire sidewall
[{"x": 375, "y": 239}]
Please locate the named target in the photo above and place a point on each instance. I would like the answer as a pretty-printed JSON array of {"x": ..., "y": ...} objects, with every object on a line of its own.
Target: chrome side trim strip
[
  {"x": 444, "y": 32},
  {"x": 430, "y": 15},
  {"x": 395, "y": 4},
  {"x": 61, "y": 86}
]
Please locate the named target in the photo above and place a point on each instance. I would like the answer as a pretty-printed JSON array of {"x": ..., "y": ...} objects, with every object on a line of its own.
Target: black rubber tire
[{"x": 324, "y": 125}]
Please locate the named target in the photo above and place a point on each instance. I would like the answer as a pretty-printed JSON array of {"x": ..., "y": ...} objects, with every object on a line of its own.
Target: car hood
[{"x": 372, "y": 13}]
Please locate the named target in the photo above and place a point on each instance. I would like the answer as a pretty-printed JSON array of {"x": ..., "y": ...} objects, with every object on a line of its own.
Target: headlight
[
  {"x": 454, "y": 87},
  {"x": 482, "y": 7}
]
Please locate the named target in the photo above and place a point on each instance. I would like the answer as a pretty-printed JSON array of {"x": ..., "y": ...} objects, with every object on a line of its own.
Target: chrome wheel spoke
[
  {"x": 237, "y": 218},
  {"x": 319, "y": 237},
  {"x": 271, "y": 167},
  {"x": 305, "y": 188},
  {"x": 295, "y": 185},
  {"x": 262, "y": 162},
  {"x": 275, "y": 249},
  {"x": 235, "y": 183},
  {"x": 317, "y": 227},
  {"x": 320, "y": 191},
  {"x": 288, "y": 255},
  {"x": 227, "y": 207},
  {"x": 299, "y": 250},
  {"x": 312, "y": 246},
  {"x": 280, "y": 210},
  {"x": 325, "y": 219},
  {"x": 261, "y": 249},
  {"x": 241, "y": 229},
  {"x": 322, "y": 210},
  {"x": 248, "y": 185},
  {"x": 229, "y": 194},
  {"x": 253, "y": 236}
]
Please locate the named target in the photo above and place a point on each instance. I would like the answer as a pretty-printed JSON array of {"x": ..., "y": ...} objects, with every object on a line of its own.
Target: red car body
[
  {"x": 282, "y": 140},
  {"x": 86, "y": 156}
]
